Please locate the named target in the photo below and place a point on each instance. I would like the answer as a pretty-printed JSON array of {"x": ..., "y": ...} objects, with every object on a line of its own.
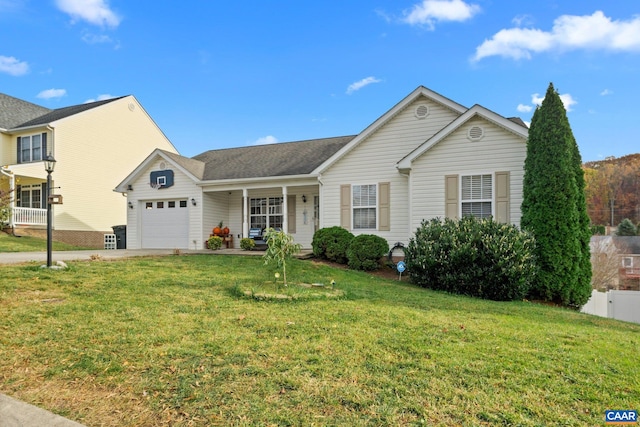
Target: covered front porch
[
  {"x": 293, "y": 208},
  {"x": 25, "y": 193}
]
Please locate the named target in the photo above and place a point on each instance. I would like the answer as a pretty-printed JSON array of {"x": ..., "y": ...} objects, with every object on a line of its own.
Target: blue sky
[{"x": 226, "y": 74}]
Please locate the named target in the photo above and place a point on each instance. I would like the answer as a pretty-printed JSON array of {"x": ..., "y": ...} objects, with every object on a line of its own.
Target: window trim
[
  {"x": 375, "y": 207},
  {"x": 491, "y": 200},
  {"x": 31, "y": 188},
  {"x": 269, "y": 211},
  {"x": 20, "y": 148}
]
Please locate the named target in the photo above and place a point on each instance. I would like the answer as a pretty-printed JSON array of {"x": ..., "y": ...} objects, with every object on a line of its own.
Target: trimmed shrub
[
  {"x": 247, "y": 244},
  {"x": 332, "y": 243},
  {"x": 214, "y": 242},
  {"x": 476, "y": 257},
  {"x": 365, "y": 251}
]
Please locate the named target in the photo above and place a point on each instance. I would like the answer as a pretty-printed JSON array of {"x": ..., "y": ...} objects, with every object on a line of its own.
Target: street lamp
[{"x": 49, "y": 165}]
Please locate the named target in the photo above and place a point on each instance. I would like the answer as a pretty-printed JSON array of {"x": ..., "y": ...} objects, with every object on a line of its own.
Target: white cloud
[
  {"x": 521, "y": 20},
  {"x": 606, "y": 92},
  {"x": 269, "y": 139},
  {"x": 52, "y": 93},
  {"x": 431, "y": 11},
  {"x": 360, "y": 84},
  {"x": 567, "y": 100},
  {"x": 96, "y": 12},
  {"x": 10, "y": 65},
  {"x": 95, "y": 38},
  {"x": 99, "y": 98},
  {"x": 524, "y": 108},
  {"x": 569, "y": 32}
]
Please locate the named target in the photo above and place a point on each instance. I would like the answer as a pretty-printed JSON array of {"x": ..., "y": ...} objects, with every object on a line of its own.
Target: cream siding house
[
  {"x": 93, "y": 144},
  {"x": 426, "y": 157}
]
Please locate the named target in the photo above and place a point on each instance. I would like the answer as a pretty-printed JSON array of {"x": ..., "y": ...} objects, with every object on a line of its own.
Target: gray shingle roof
[
  {"x": 14, "y": 111},
  {"x": 61, "y": 113},
  {"x": 195, "y": 167},
  {"x": 282, "y": 159}
]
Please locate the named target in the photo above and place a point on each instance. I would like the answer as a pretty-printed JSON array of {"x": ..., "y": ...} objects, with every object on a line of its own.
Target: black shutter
[
  {"x": 44, "y": 195},
  {"x": 17, "y": 195},
  {"x": 44, "y": 146},
  {"x": 19, "y": 158}
]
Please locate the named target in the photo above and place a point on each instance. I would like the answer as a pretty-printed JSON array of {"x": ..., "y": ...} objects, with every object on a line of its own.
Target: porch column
[
  {"x": 12, "y": 196},
  {"x": 245, "y": 213},
  {"x": 285, "y": 220}
]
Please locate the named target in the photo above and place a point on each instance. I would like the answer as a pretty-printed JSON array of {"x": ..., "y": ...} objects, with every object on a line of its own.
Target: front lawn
[{"x": 172, "y": 341}]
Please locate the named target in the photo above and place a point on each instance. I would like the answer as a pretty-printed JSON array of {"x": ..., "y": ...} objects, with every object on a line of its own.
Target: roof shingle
[
  {"x": 282, "y": 159},
  {"x": 14, "y": 111}
]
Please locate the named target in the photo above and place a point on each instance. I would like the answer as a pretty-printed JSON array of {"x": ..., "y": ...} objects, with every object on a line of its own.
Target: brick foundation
[{"x": 89, "y": 239}]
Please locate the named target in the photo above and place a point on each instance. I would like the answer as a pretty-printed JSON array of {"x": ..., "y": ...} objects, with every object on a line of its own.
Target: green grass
[
  {"x": 9, "y": 243},
  {"x": 171, "y": 341}
]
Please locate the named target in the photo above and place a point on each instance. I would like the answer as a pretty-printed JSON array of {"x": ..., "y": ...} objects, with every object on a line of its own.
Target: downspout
[
  {"x": 407, "y": 175},
  {"x": 12, "y": 185}
]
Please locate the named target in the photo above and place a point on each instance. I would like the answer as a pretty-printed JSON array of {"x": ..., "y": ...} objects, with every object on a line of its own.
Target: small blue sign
[
  {"x": 401, "y": 267},
  {"x": 626, "y": 416}
]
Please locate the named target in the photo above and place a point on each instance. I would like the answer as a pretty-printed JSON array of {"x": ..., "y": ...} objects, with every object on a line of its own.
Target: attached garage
[{"x": 165, "y": 224}]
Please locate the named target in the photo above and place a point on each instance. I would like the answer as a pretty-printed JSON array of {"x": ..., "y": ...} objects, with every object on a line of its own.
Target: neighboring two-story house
[
  {"x": 426, "y": 157},
  {"x": 94, "y": 145}
]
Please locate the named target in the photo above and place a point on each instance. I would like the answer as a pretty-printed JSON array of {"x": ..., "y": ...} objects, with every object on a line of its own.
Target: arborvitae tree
[
  {"x": 626, "y": 228},
  {"x": 553, "y": 206},
  {"x": 582, "y": 292}
]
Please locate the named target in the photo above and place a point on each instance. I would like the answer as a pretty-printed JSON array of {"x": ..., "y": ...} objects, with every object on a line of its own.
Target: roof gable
[
  {"x": 64, "y": 112},
  {"x": 420, "y": 91},
  {"x": 190, "y": 167},
  {"x": 14, "y": 111},
  {"x": 477, "y": 110}
]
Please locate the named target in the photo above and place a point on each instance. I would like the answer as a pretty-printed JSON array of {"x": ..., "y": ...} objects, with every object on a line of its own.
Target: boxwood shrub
[
  {"x": 475, "y": 257},
  {"x": 365, "y": 251},
  {"x": 332, "y": 243}
]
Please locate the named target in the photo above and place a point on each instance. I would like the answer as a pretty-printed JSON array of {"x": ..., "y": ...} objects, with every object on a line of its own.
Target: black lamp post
[{"x": 49, "y": 165}]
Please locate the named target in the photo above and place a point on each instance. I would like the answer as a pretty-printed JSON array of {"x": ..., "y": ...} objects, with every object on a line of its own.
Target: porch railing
[{"x": 29, "y": 216}]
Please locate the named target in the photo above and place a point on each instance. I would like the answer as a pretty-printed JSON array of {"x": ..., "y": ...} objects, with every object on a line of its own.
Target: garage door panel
[{"x": 165, "y": 228}]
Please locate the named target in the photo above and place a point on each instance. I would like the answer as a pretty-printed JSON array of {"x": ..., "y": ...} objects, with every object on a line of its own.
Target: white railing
[{"x": 29, "y": 216}]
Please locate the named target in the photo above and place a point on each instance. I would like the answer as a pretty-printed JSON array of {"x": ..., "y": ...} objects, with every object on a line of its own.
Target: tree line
[{"x": 613, "y": 190}]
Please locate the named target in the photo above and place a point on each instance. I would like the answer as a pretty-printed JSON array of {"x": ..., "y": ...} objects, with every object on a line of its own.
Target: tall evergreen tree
[
  {"x": 582, "y": 292},
  {"x": 554, "y": 207}
]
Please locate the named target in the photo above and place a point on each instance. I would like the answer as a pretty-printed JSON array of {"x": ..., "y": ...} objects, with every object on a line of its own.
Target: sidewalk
[{"x": 14, "y": 413}]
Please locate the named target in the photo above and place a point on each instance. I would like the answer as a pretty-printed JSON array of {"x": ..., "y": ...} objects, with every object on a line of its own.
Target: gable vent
[
  {"x": 422, "y": 111},
  {"x": 475, "y": 133}
]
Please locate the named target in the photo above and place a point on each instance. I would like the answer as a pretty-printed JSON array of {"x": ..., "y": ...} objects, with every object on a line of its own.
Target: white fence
[
  {"x": 620, "y": 305},
  {"x": 29, "y": 216}
]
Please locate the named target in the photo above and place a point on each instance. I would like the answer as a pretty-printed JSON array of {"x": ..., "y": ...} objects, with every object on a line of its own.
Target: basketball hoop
[{"x": 155, "y": 185}]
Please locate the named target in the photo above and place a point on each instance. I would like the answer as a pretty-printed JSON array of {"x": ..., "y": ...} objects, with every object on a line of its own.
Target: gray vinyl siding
[
  {"x": 374, "y": 160},
  {"x": 498, "y": 151}
]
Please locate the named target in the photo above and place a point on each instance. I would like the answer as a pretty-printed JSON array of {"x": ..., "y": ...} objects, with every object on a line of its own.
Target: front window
[
  {"x": 364, "y": 202},
  {"x": 30, "y": 197},
  {"x": 31, "y": 148},
  {"x": 476, "y": 195},
  {"x": 266, "y": 212}
]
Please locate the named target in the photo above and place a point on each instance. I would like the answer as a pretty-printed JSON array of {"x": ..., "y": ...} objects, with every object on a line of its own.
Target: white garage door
[{"x": 165, "y": 225}]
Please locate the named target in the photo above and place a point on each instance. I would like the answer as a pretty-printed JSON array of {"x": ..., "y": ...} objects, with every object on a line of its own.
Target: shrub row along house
[
  {"x": 94, "y": 145},
  {"x": 426, "y": 157}
]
